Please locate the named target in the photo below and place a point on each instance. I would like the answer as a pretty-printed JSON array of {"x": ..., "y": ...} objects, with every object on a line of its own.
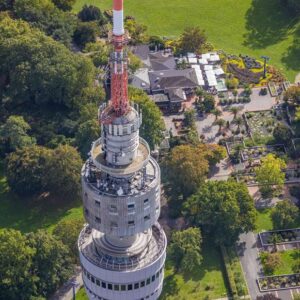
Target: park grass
[
  {"x": 29, "y": 214},
  {"x": 263, "y": 220},
  {"x": 249, "y": 27},
  {"x": 81, "y": 295},
  {"x": 205, "y": 283}
]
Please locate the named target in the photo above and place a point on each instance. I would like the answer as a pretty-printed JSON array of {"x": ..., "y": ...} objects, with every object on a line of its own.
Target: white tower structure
[{"x": 123, "y": 248}]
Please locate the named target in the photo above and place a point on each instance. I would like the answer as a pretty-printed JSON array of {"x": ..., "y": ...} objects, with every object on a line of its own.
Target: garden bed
[
  {"x": 257, "y": 152},
  {"x": 284, "y": 236},
  {"x": 278, "y": 282},
  {"x": 263, "y": 123}
]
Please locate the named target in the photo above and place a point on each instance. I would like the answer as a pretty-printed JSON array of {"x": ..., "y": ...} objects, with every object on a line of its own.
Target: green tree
[
  {"x": 238, "y": 122},
  {"x": 67, "y": 231},
  {"x": 190, "y": 118},
  {"x": 208, "y": 102},
  {"x": 217, "y": 113},
  {"x": 14, "y": 133},
  {"x": 63, "y": 172},
  {"x": 137, "y": 31},
  {"x": 38, "y": 70},
  {"x": 91, "y": 13},
  {"x": 187, "y": 168},
  {"x": 224, "y": 209},
  {"x": 235, "y": 110},
  {"x": 220, "y": 122},
  {"x": 17, "y": 280},
  {"x": 6, "y": 5},
  {"x": 192, "y": 39},
  {"x": 88, "y": 132},
  {"x": 26, "y": 169},
  {"x": 282, "y": 134},
  {"x": 270, "y": 262},
  {"x": 98, "y": 52},
  {"x": 51, "y": 262},
  {"x": 285, "y": 215},
  {"x": 64, "y": 4},
  {"x": 152, "y": 128},
  {"x": 44, "y": 15},
  {"x": 86, "y": 32},
  {"x": 134, "y": 62},
  {"x": 270, "y": 175},
  {"x": 185, "y": 249},
  {"x": 232, "y": 83}
]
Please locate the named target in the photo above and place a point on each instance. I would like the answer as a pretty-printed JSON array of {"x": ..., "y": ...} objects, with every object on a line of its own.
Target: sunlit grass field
[{"x": 260, "y": 27}]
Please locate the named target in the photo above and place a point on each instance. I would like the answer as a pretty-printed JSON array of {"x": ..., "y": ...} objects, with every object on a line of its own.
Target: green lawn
[
  {"x": 264, "y": 221},
  {"x": 208, "y": 281},
  {"x": 81, "y": 295},
  {"x": 20, "y": 213},
  {"x": 256, "y": 28}
]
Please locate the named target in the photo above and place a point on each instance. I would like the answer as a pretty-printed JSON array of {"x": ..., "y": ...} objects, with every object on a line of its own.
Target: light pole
[
  {"x": 265, "y": 58},
  {"x": 74, "y": 285}
]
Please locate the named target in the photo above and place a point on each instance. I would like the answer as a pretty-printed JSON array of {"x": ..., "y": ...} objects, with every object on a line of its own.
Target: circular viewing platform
[
  {"x": 154, "y": 249},
  {"x": 141, "y": 160}
]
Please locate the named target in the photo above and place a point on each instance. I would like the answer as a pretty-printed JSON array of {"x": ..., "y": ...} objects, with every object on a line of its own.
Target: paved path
[
  {"x": 66, "y": 291},
  {"x": 297, "y": 79},
  {"x": 249, "y": 258}
]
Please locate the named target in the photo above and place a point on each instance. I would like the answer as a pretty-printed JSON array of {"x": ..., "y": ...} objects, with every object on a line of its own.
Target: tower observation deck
[{"x": 122, "y": 248}]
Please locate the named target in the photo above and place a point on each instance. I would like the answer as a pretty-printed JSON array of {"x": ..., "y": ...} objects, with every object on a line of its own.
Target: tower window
[
  {"x": 114, "y": 225},
  {"x": 129, "y": 287},
  {"x": 113, "y": 209},
  {"x": 103, "y": 285},
  {"x": 109, "y": 286},
  {"x": 136, "y": 285},
  {"x": 116, "y": 287},
  {"x": 97, "y": 203},
  {"x": 147, "y": 218},
  {"x": 98, "y": 220},
  {"x": 131, "y": 223},
  {"x": 97, "y": 282},
  {"x": 86, "y": 211},
  {"x": 153, "y": 278},
  {"x": 146, "y": 201},
  {"x": 130, "y": 207},
  {"x": 148, "y": 281},
  {"x": 142, "y": 283},
  {"x": 123, "y": 287}
]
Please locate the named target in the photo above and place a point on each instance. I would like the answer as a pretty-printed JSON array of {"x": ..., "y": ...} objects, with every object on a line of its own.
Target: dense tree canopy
[
  {"x": 282, "y": 134},
  {"x": 31, "y": 266},
  {"x": 38, "y": 70},
  {"x": 137, "y": 31},
  {"x": 293, "y": 94},
  {"x": 188, "y": 166},
  {"x": 91, "y": 13},
  {"x": 285, "y": 215},
  {"x": 153, "y": 126},
  {"x": 16, "y": 279},
  {"x": 44, "y": 15},
  {"x": 26, "y": 168},
  {"x": 185, "y": 249},
  {"x": 270, "y": 175},
  {"x": 51, "y": 263},
  {"x": 224, "y": 209},
  {"x": 13, "y": 134},
  {"x": 37, "y": 169},
  {"x": 86, "y": 32},
  {"x": 64, "y": 4},
  {"x": 67, "y": 231},
  {"x": 64, "y": 172}
]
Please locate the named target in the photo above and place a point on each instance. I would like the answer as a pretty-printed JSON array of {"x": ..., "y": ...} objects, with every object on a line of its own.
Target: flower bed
[
  {"x": 282, "y": 236},
  {"x": 279, "y": 282},
  {"x": 261, "y": 151}
]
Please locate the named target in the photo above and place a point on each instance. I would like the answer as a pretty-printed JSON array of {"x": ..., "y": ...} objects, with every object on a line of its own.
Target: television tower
[{"x": 122, "y": 249}]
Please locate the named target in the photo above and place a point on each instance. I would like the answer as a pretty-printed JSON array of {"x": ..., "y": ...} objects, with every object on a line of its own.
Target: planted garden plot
[{"x": 279, "y": 282}]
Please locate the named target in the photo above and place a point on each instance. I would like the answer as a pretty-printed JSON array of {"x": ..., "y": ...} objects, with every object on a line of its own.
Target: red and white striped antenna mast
[{"x": 119, "y": 62}]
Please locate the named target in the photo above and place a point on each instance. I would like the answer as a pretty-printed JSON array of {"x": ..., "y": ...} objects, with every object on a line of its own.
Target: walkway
[{"x": 66, "y": 291}]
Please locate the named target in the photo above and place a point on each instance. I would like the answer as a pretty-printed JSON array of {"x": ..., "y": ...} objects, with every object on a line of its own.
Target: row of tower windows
[
  {"x": 114, "y": 224},
  {"x": 122, "y": 287},
  {"x": 100, "y": 298}
]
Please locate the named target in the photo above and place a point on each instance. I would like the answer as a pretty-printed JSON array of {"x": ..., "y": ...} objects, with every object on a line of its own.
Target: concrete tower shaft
[{"x": 122, "y": 248}]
